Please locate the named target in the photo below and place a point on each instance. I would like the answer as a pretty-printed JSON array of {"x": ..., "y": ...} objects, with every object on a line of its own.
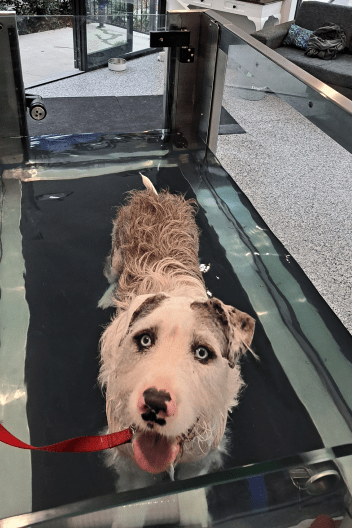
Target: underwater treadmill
[{"x": 289, "y": 455}]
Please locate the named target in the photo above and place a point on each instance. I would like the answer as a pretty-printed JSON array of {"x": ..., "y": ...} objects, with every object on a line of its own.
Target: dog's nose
[{"x": 158, "y": 402}]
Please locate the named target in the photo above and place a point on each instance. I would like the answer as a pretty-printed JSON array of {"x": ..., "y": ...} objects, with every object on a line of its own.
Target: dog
[{"x": 170, "y": 356}]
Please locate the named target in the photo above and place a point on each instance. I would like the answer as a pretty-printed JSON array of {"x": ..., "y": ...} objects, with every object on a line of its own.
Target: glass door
[{"x": 105, "y": 29}]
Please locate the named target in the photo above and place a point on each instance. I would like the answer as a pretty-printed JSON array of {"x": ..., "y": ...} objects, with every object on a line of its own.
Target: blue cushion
[{"x": 298, "y": 37}]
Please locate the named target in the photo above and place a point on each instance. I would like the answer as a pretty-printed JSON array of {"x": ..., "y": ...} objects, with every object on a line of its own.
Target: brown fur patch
[
  {"x": 157, "y": 241},
  {"x": 216, "y": 326}
]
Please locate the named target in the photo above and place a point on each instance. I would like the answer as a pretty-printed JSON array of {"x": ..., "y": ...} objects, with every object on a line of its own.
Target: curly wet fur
[
  {"x": 155, "y": 245},
  {"x": 154, "y": 271}
]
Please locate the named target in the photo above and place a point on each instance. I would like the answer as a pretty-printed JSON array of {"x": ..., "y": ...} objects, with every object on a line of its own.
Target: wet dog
[{"x": 170, "y": 356}]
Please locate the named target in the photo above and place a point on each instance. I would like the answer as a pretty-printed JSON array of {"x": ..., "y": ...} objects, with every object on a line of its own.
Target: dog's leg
[
  {"x": 112, "y": 268},
  {"x": 107, "y": 299}
]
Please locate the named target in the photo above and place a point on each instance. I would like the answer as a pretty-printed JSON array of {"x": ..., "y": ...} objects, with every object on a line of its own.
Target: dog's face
[{"x": 170, "y": 369}]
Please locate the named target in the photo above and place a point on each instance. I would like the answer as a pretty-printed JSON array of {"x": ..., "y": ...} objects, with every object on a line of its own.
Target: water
[{"x": 56, "y": 228}]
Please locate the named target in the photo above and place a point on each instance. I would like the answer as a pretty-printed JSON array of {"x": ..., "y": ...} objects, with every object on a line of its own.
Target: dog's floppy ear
[{"x": 237, "y": 326}]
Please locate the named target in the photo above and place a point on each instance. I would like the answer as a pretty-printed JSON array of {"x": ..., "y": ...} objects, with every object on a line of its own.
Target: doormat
[{"x": 117, "y": 115}]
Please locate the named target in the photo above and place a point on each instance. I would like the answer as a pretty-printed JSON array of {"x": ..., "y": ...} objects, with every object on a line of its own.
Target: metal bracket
[
  {"x": 187, "y": 55},
  {"x": 170, "y": 39},
  {"x": 180, "y": 141}
]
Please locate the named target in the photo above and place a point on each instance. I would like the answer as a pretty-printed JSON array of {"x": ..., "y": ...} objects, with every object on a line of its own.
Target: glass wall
[{"x": 50, "y": 51}]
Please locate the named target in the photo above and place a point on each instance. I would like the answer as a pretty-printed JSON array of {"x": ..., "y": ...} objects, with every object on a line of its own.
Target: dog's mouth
[{"x": 154, "y": 452}]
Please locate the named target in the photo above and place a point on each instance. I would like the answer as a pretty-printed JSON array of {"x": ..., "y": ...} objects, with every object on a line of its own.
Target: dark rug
[
  {"x": 117, "y": 115},
  {"x": 228, "y": 125}
]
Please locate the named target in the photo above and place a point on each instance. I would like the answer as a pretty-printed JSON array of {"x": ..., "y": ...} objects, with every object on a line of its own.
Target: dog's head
[{"x": 170, "y": 368}]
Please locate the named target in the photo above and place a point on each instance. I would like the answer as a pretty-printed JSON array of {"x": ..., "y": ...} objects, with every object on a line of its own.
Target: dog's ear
[{"x": 237, "y": 326}]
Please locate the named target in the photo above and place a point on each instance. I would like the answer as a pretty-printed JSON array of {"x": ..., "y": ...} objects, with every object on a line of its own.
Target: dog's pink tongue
[{"x": 154, "y": 453}]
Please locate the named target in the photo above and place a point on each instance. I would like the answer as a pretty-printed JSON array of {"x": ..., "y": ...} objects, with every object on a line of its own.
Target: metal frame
[
  {"x": 85, "y": 62},
  {"x": 194, "y": 92},
  {"x": 79, "y": 34},
  {"x": 13, "y": 122},
  {"x": 189, "y": 85}
]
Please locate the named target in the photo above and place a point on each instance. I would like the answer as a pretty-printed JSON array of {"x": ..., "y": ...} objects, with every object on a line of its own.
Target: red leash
[{"x": 82, "y": 444}]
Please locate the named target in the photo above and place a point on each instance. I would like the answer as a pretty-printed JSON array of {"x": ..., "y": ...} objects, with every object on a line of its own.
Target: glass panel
[
  {"x": 46, "y": 48},
  {"x": 292, "y": 498},
  {"x": 255, "y": 74},
  {"x": 275, "y": 111},
  {"x": 119, "y": 34},
  {"x": 104, "y": 32},
  {"x": 120, "y": 25},
  {"x": 68, "y": 194},
  {"x": 119, "y": 98},
  {"x": 116, "y": 7},
  {"x": 50, "y": 50}
]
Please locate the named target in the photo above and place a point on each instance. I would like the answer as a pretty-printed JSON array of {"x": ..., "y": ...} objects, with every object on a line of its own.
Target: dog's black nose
[
  {"x": 150, "y": 416},
  {"x": 156, "y": 405},
  {"x": 156, "y": 400}
]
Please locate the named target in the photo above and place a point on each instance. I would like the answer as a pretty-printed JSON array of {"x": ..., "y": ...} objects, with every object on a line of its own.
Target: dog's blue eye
[
  {"x": 145, "y": 340},
  {"x": 202, "y": 353}
]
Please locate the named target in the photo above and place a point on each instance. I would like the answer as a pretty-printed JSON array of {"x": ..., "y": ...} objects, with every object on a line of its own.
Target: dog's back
[{"x": 155, "y": 236}]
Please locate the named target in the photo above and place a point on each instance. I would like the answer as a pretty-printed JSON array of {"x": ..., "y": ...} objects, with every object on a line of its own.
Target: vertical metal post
[
  {"x": 189, "y": 86},
  {"x": 152, "y": 13},
  {"x": 129, "y": 44},
  {"x": 13, "y": 121},
  {"x": 216, "y": 103},
  {"x": 79, "y": 22}
]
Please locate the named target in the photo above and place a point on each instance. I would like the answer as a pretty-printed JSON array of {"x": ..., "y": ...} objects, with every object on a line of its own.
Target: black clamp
[
  {"x": 170, "y": 39},
  {"x": 174, "y": 39}
]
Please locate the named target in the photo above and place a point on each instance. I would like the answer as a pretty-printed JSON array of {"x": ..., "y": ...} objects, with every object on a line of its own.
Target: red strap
[{"x": 82, "y": 444}]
